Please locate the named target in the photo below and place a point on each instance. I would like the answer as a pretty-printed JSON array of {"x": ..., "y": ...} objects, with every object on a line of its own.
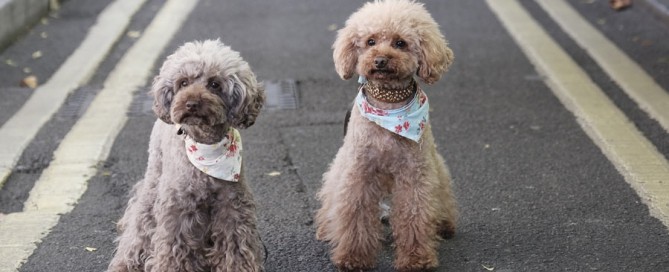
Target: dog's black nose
[
  {"x": 380, "y": 62},
  {"x": 192, "y": 105}
]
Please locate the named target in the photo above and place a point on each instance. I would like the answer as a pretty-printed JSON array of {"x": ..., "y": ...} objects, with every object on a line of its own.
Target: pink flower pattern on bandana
[
  {"x": 408, "y": 121},
  {"x": 222, "y": 160}
]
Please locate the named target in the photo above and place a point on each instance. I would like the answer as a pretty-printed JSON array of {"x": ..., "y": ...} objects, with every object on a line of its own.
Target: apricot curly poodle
[{"x": 388, "y": 150}]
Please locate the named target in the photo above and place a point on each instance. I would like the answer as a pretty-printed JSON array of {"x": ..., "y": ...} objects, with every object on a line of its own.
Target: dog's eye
[
  {"x": 183, "y": 83},
  {"x": 371, "y": 42},
  {"x": 400, "y": 44},
  {"x": 213, "y": 85}
]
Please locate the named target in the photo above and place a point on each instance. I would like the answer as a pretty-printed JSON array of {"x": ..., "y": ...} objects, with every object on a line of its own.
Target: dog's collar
[
  {"x": 408, "y": 121},
  {"x": 222, "y": 160},
  {"x": 390, "y": 95}
]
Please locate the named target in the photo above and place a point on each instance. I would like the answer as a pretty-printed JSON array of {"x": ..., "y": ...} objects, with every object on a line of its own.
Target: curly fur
[
  {"x": 373, "y": 163},
  {"x": 427, "y": 54},
  {"x": 178, "y": 218}
]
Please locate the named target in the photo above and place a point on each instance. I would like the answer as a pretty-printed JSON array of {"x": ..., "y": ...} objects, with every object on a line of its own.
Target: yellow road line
[
  {"x": 65, "y": 180},
  {"x": 642, "y": 166},
  {"x": 74, "y": 72},
  {"x": 641, "y": 87}
]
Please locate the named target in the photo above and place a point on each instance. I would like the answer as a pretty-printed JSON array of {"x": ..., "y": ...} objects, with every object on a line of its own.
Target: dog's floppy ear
[
  {"x": 345, "y": 53},
  {"x": 245, "y": 99},
  {"x": 162, "y": 92},
  {"x": 435, "y": 56}
]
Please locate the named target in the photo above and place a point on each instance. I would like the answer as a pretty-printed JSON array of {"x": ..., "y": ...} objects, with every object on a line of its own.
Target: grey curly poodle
[{"x": 185, "y": 216}]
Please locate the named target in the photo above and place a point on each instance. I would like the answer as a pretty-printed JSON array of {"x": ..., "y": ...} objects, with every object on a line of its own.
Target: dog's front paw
[
  {"x": 417, "y": 268},
  {"x": 341, "y": 269},
  {"x": 352, "y": 268},
  {"x": 414, "y": 263},
  {"x": 353, "y": 263}
]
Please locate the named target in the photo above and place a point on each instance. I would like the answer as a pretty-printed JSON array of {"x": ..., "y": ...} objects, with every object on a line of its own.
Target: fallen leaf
[
  {"x": 37, "y": 54},
  {"x": 134, "y": 34},
  {"x": 486, "y": 146},
  {"x": 106, "y": 173},
  {"x": 489, "y": 268},
  {"x": 274, "y": 173},
  {"x": 10, "y": 62},
  {"x": 44, "y": 35},
  {"x": 27, "y": 70},
  {"x": 619, "y": 5},
  {"x": 54, "y": 5},
  {"x": 90, "y": 249},
  {"x": 44, "y": 21},
  {"x": 332, "y": 27},
  {"x": 29, "y": 81}
]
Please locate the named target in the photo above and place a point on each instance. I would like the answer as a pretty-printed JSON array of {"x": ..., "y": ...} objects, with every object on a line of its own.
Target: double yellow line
[
  {"x": 62, "y": 183},
  {"x": 637, "y": 160}
]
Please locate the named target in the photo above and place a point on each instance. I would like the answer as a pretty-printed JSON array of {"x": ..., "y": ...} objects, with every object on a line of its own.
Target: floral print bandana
[
  {"x": 408, "y": 121},
  {"x": 222, "y": 160}
]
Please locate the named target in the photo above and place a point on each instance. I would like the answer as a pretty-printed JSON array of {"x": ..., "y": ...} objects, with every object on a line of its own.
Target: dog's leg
[
  {"x": 138, "y": 223},
  {"x": 178, "y": 242},
  {"x": 357, "y": 230},
  {"x": 236, "y": 244},
  {"x": 414, "y": 219},
  {"x": 127, "y": 254},
  {"x": 333, "y": 181},
  {"x": 136, "y": 227},
  {"x": 323, "y": 218},
  {"x": 447, "y": 205}
]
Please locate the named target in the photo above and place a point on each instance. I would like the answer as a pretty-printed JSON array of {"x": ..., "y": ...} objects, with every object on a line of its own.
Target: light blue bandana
[{"x": 408, "y": 121}]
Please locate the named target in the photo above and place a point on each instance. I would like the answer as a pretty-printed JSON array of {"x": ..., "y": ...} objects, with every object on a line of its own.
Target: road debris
[
  {"x": 10, "y": 63},
  {"x": 30, "y": 82},
  {"x": 90, "y": 249},
  {"x": 274, "y": 173},
  {"x": 619, "y": 5},
  {"x": 37, "y": 54}
]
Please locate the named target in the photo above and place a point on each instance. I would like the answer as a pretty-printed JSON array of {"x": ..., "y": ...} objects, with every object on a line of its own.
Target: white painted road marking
[
  {"x": 641, "y": 87},
  {"x": 73, "y": 73},
  {"x": 65, "y": 180},
  {"x": 642, "y": 166}
]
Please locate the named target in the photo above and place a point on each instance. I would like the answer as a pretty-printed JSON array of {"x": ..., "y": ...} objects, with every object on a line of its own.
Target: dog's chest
[
  {"x": 381, "y": 150},
  {"x": 383, "y": 146},
  {"x": 182, "y": 175}
]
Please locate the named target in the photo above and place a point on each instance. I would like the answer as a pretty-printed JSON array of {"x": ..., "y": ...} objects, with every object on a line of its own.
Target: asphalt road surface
[{"x": 541, "y": 181}]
